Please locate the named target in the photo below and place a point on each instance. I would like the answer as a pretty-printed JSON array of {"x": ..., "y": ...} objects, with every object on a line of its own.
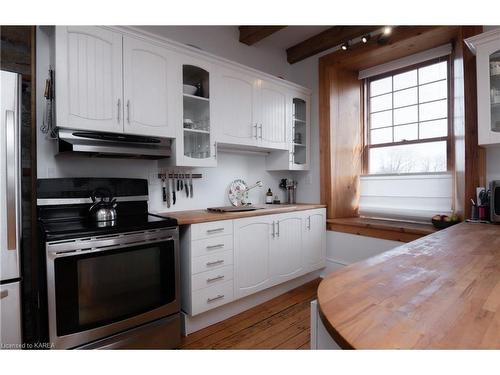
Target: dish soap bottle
[{"x": 269, "y": 196}]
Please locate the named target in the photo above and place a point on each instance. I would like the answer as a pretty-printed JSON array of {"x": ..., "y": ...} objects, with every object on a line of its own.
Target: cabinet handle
[
  {"x": 277, "y": 228},
  {"x": 220, "y": 261},
  {"x": 309, "y": 223},
  {"x": 215, "y": 230},
  {"x": 4, "y": 293},
  {"x": 260, "y": 131},
  {"x": 220, "y": 296},
  {"x": 256, "y": 131},
  {"x": 128, "y": 111},
  {"x": 119, "y": 105},
  {"x": 220, "y": 277},
  {"x": 218, "y": 246},
  {"x": 274, "y": 230},
  {"x": 215, "y": 150}
]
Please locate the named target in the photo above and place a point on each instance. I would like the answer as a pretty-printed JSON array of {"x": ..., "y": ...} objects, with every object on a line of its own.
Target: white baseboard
[{"x": 195, "y": 323}]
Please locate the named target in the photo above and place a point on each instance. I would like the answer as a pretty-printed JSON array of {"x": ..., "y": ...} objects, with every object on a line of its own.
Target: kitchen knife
[
  {"x": 174, "y": 198},
  {"x": 163, "y": 190},
  {"x": 168, "y": 189},
  {"x": 182, "y": 181},
  {"x": 178, "y": 182},
  {"x": 191, "y": 184},
  {"x": 186, "y": 185}
]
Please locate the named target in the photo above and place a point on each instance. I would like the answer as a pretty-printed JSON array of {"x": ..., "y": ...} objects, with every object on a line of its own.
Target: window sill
[{"x": 378, "y": 228}]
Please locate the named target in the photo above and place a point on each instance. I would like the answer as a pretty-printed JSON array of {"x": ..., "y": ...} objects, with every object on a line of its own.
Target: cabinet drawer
[
  {"x": 211, "y": 229},
  {"x": 210, "y": 278},
  {"x": 211, "y": 262},
  {"x": 211, "y": 245},
  {"x": 212, "y": 297}
]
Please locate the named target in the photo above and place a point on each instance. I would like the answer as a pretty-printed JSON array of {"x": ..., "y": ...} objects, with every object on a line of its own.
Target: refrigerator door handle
[{"x": 11, "y": 183}]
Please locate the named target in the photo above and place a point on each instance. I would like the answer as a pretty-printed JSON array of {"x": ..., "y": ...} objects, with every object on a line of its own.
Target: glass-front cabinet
[
  {"x": 486, "y": 46},
  {"x": 297, "y": 157},
  {"x": 195, "y": 144}
]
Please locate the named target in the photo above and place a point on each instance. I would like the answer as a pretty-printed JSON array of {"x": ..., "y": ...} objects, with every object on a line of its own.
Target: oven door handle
[{"x": 102, "y": 246}]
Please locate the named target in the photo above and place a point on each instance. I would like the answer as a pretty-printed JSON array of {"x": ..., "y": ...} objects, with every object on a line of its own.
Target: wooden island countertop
[
  {"x": 202, "y": 216},
  {"x": 441, "y": 291}
]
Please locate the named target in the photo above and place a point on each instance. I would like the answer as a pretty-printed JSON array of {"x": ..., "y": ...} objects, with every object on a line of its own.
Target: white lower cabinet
[
  {"x": 10, "y": 315},
  {"x": 231, "y": 259},
  {"x": 253, "y": 239}
]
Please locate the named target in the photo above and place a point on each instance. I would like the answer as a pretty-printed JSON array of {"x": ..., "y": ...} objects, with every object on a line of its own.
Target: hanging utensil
[
  {"x": 168, "y": 188},
  {"x": 191, "y": 185},
  {"x": 186, "y": 184},
  {"x": 163, "y": 190},
  {"x": 174, "y": 197}
]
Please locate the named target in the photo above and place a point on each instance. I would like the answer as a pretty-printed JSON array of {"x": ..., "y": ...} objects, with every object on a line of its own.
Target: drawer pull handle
[
  {"x": 4, "y": 293},
  {"x": 220, "y": 261},
  {"x": 215, "y": 230},
  {"x": 220, "y": 277},
  {"x": 220, "y": 296},
  {"x": 218, "y": 246}
]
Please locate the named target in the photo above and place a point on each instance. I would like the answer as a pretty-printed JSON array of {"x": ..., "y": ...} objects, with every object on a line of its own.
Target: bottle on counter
[{"x": 269, "y": 196}]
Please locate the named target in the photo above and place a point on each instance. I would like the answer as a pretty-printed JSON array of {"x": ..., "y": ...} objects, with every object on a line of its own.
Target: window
[{"x": 407, "y": 122}]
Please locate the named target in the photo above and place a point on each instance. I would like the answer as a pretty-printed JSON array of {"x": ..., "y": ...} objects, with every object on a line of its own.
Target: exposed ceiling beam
[
  {"x": 327, "y": 39},
  {"x": 253, "y": 34}
]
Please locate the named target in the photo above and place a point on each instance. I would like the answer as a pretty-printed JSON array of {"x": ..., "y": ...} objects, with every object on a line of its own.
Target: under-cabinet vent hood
[{"x": 111, "y": 145}]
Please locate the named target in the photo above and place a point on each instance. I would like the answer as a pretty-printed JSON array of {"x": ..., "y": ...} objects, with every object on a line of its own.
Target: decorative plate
[{"x": 238, "y": 194}]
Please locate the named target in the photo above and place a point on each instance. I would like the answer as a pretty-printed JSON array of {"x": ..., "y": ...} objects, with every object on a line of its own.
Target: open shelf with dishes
[
  {"x": 495, "y": 91},
  {"x": 299, "y": 132}
]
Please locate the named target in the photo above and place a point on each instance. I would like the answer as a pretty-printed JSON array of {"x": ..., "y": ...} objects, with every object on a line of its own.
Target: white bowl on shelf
[{"x": 189, "y": 89}]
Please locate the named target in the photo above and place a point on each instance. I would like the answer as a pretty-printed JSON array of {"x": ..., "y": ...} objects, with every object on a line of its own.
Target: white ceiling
[{"x": 291, "y": 35}]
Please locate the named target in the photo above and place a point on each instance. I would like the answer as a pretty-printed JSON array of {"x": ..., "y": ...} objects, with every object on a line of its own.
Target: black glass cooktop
[{"x": 55, "y": 229}]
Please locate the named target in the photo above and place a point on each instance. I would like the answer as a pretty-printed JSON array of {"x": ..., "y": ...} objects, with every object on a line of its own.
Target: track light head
[
  {"x": 365, "y": 38},
  {"x": 344, "y": 46},
  {"x": 387, "y": 31}
]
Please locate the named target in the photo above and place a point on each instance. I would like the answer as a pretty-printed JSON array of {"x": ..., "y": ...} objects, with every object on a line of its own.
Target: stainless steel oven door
[{"x": 98, "y": 286}]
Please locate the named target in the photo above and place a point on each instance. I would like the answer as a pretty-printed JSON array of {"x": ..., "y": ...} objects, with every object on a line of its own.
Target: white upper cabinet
[
  {"x": 235, "y": 107},
  {"x": 89, "y": 79},
  {"x": 486, "y": 46},
  {"x": 272, "y": 115},
  {"x": 147, "y": 81}
]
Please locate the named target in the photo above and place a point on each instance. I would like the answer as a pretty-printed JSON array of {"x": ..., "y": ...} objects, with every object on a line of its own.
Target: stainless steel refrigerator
[{"x": 10, "y": 210}]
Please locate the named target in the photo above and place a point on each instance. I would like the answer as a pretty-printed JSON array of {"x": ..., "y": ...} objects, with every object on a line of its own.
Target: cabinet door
[
  {"x": 314, "y": 240},
  {"x": 273, "y": 116},
  {"x": 300, "y": 137},
  {"x": 146, "y": 76},
  {"x": 252, "y": 246},
  {"x": 235, "y": 105},
  {"x": 488, "y": 92},
  {"x": 286, "y": 251},
  {"x": 89, "y": 79},
  {"x": 10, "y": 314}
]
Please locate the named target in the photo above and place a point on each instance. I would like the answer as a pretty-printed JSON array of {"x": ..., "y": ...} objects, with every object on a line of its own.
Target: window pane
[
  {"x": 380, "y": 103},
  {"x": 380, "y": 119},
  {"x": 415, "y": 158},
  {"x": 381, "y": 86},
  {"x": 432, "y": 72},
  {"x": 383, "y": 135},
  {"x": 433, "y": 91},
  {"x": 433, "y": 110},
  {"x": 406, "y": 115},
  {"x": 405, "y": 132},
  {"x": 405, "y": 97},
  {"x": 432, "y": 129},
  {"x": 404, "y": 80}
]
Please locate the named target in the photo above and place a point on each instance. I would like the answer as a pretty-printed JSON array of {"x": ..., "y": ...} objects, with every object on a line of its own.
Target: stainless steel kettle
[{"x": 103, "y": 211}]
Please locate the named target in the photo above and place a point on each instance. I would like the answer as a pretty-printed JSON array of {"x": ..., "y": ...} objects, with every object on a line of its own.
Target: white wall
[{"x": 211, "y": 190}]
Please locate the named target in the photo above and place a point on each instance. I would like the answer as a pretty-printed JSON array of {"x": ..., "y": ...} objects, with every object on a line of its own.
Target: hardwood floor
[{"x": 280, "y": 323}]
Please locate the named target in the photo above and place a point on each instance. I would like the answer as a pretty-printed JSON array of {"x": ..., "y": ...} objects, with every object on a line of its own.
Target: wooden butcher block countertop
[
  {"x": 439, "y": 292},
  {"x": 203, "y": 216}
]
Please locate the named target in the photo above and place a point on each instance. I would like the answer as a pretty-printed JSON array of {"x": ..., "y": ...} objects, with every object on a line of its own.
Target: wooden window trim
[{"x": 450, "y": 155}]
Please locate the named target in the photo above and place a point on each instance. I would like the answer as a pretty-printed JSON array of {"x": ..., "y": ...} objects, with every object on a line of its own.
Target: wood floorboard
[{"x": 280, "y": 323}]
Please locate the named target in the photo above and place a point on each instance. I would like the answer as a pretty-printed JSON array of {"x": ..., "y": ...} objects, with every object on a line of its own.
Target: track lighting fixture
[
  {"x": 344, "y": 46},
  {"x": 365, "y": 38}
]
